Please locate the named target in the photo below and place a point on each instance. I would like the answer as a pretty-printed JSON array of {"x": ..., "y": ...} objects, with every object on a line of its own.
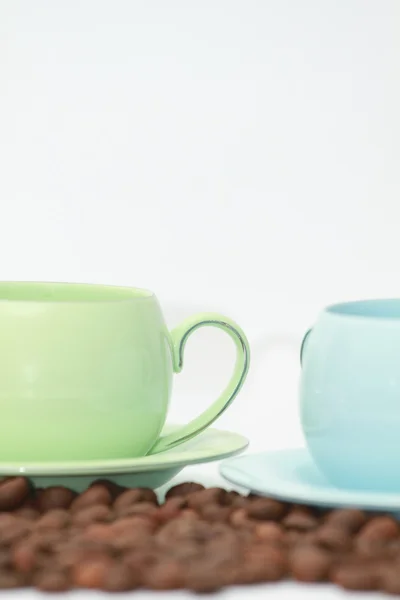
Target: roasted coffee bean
[
  {"x": 131, "y": 538},
  {"x": 262, "y": 563},
  {"x": 293, "y": 537},
  {"x": 137, "y": 523},
  {"x": 270, "y": 532},
  {"x": 119, "y": 578},
  {"x": 11, "y": 580},
  {"x": 171, "y": 509},
  {"x": 13, "y": 492},
  {"x": 377, "y": 536},
  {"x": 355, "y": 577},
  {"x": 99, "y": 532},
  {"x": 146, "y": 509},
  {"x": 266, "y": 509},
  {"x": 333, "y": 538},
  {"x": 10, "y": 534},
  {"x": 184, "y": 489},
  {"x": 54, "y": 497},
  {"x": 48, "y": 539},
  {"x": 216, "y": 513},
  {"x": 389, "y": 579},
  {"x": 349, "y": 519},
  {"x": 114, "y": 489},
  {"x": 167, "y": 574},
  {"x": 24, "y": 557},
  {"x": 197, "y": 500},
  {"x": 183, "y": 529},
  {"x": 301, "y": 518},
  {"x": 309, "y": 563},
  {"x": 92, "y": 572},
  {"x": 95, "y": 495},
  {"x": 57, "y": 518},
  {"x": 189, "y": 514},
  {"x": 134, "y": 496},
  {"x": 203, "y": 581},
  {"x": 70, "y": 555},
  {"x": 5, "y": 558},
  {"x": 30, "y": 514},
  {"x": 53, "y": 580},
  {"x": 140, "y": 560},
  {"x": 91, "y": 514},
  {"x": 239, "y": 518},
  {"x": 380, "y": 529}
]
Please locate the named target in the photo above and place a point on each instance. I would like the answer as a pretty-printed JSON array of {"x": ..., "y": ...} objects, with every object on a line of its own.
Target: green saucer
[{"x": 148, "y": 471}]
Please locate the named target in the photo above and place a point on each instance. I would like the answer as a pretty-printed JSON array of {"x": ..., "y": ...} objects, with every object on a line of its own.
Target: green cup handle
[{"x": 179, "y": 337}]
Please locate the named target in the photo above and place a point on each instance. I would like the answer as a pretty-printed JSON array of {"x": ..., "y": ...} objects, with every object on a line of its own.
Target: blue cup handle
[{"x": 304, "y": 345}]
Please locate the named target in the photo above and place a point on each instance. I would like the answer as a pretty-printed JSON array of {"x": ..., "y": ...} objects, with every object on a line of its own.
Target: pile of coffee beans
[{"x": 117, "y": 539}]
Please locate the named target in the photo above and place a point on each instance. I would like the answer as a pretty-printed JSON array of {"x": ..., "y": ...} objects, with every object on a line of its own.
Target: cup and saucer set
[
  {"x": 85, "y": 383},
  {"x": 86, "y": 378},
  {"x": 350, "y": 416}
]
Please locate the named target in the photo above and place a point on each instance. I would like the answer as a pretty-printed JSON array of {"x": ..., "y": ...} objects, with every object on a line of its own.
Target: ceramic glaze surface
[
  {"x": 350, "y": 394},
  {"x": 145, "y": 471},
  {"x": 292, "y": 475},
  {"x": 86, "y": 372}
]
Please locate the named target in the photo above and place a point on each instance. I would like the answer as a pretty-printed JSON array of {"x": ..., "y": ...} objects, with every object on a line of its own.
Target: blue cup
[{"x": 350, "y": 394}]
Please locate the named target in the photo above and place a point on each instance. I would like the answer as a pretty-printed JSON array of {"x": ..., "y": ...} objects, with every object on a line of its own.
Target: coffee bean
[
  {"x": 9, "y": 534},
  {"x": 262, "y": 563},
  {"x": 197, "y": 500},
  {"x": 92, "y": 572},
  {"x": 10, "y": 580},
  {"x": 71, "y": 555},
  {"x": 239, "y": 518},
  {"x": 13, "y": 492},
  {"x": 114, "y": 489},
  {"x": 99, "y": 532},
  {"x": 5, "y": 558},
  {"x": 24, "y": 557},
  {"x": 390, "y": 579},
  {"x": 168, "y": 574},
  {"x": 269, "y": 532},
  {"x": 91, "y": 514},
  {"x": 333, "y": 538},
  {"x": 119, "y": 578},
  {"x": 54, "y": 497},
  {"x": 134, "y": 496},
  {"x": 189, "y": 514},
  {"x": 348, "y": 519},
  {"x": 355, "y": 577},
  {"x": 51, "y": 581},
  {"x": 266, "y": 509},
  {"x": 137, "y": 523},
  {"x": 204, "y": 581},
  {"x": 30, "y": 514},
  {"x": 301, "y": 518},
  {"x": 140, "y": 560},
  {"x": 381, "y": 529},
  {"x": 57, "y": 518},
  {"x": 146, "y": 509},
  {"x": 48, "y": 539},
  {"x": 184, "y": 489},
  {"x": 171, "y": 509},
  {"x": 309, "y": 563},
  {"x": 95, "y": 495},
  {"x": 216, "y": 513}
]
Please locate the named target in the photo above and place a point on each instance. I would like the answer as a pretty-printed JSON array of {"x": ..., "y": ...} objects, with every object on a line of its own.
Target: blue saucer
[{"x": 291, "y": 475}]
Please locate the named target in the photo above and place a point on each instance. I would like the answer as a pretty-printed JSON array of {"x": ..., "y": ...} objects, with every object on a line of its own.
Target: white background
[{"x": 231, "y": 155}]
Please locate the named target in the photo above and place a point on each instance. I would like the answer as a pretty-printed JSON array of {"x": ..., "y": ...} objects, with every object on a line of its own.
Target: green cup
[{"x": 86, "y": 372}]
